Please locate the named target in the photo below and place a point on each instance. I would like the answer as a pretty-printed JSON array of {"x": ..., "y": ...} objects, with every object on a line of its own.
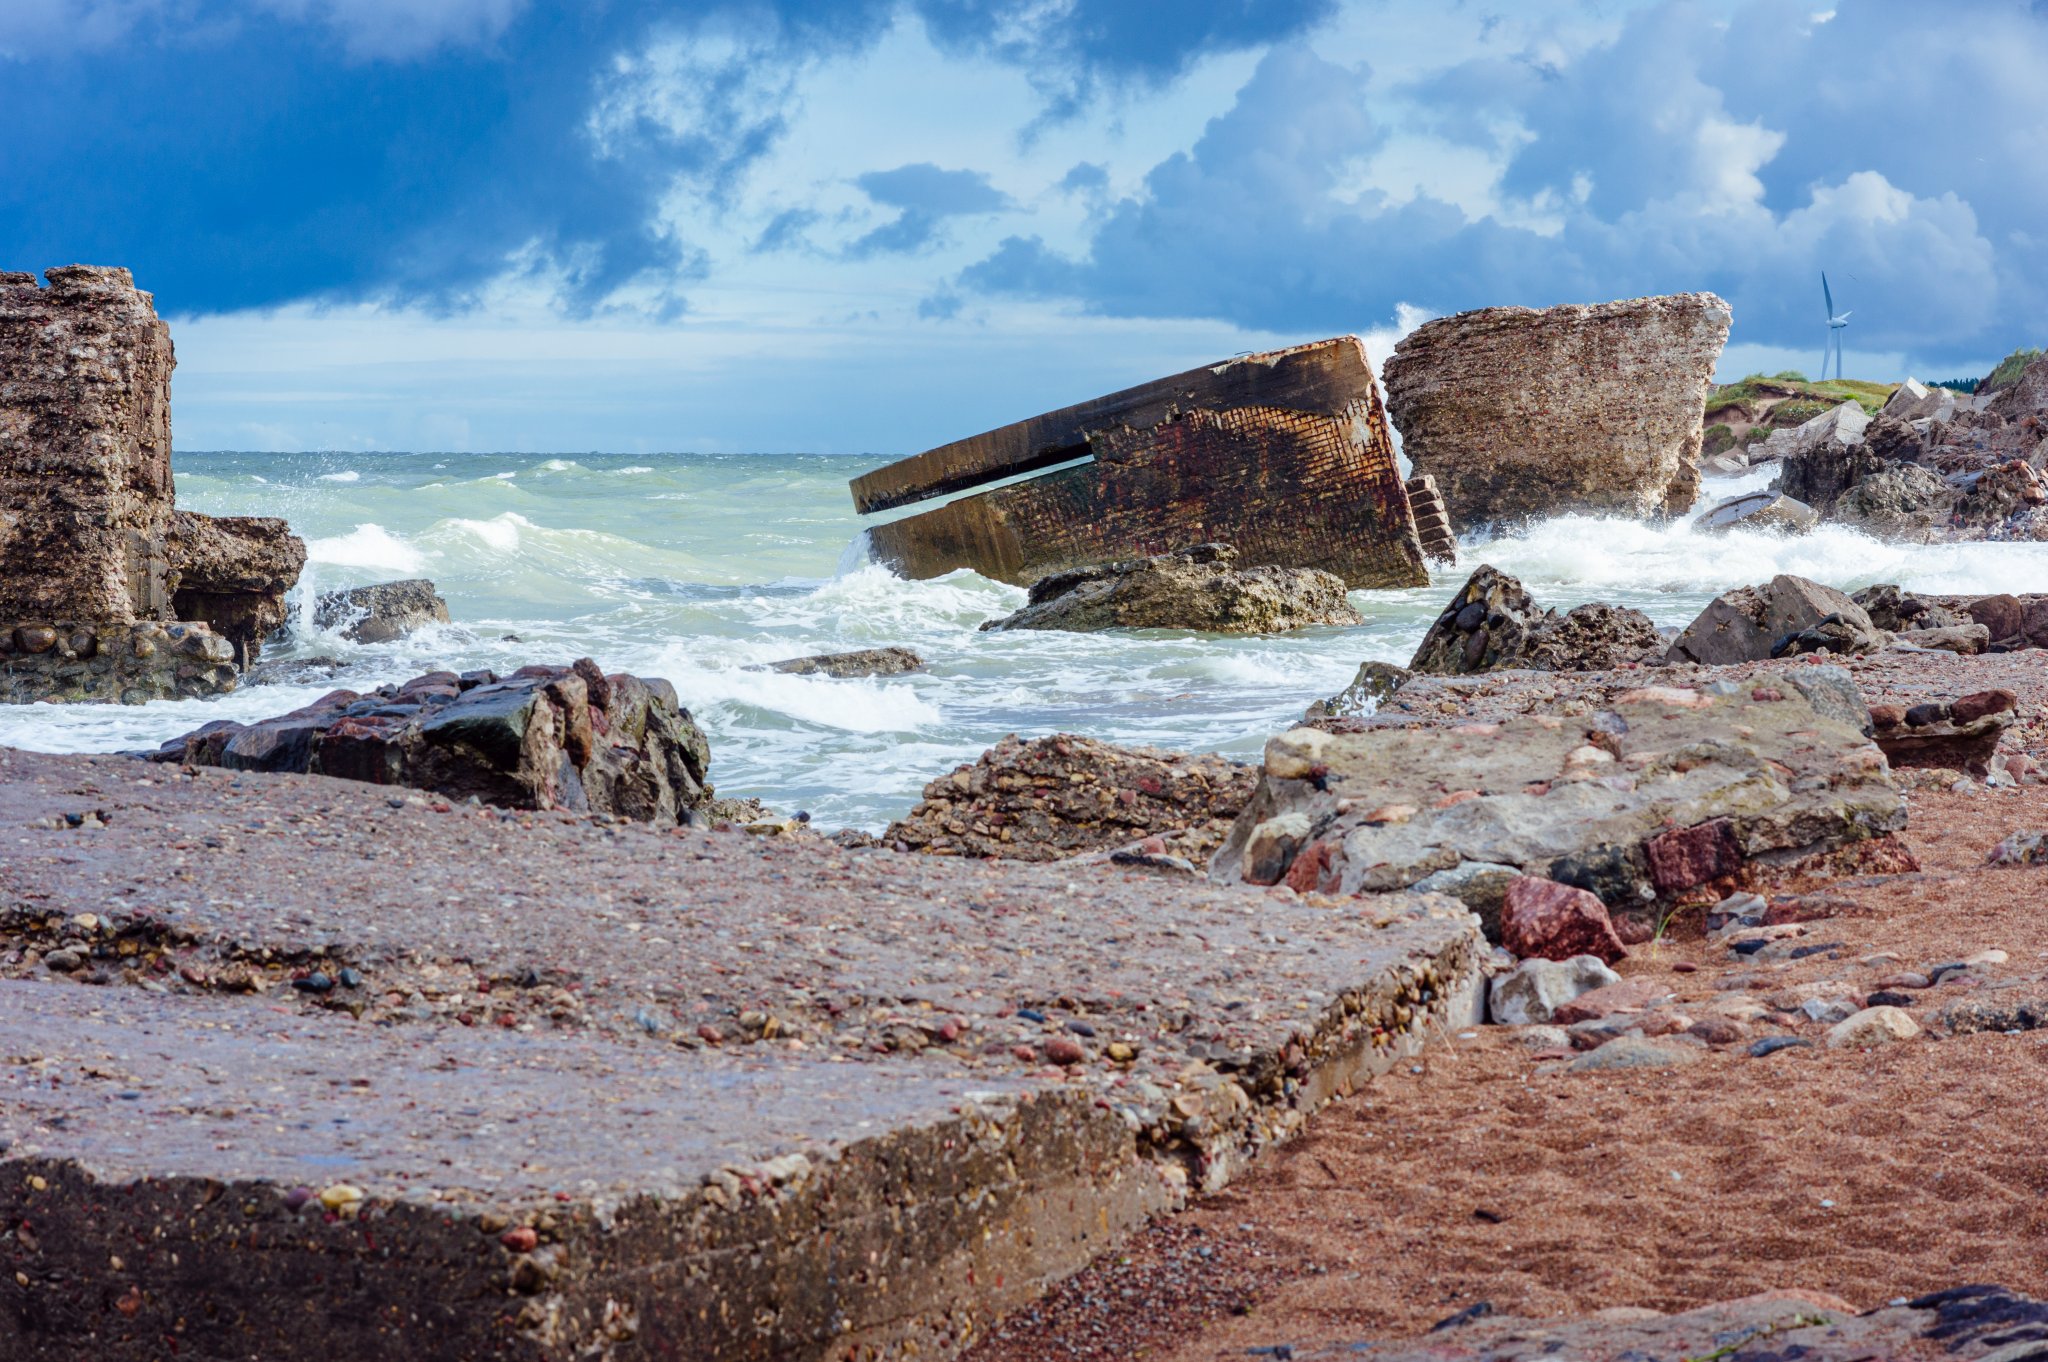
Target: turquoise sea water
[{"x": 695, "y": 567}]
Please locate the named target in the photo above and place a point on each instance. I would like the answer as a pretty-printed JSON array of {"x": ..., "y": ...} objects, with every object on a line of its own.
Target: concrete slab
[{"x": 243, "y": 984}]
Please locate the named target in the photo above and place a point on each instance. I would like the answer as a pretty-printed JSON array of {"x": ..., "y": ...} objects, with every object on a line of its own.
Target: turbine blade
[{"x": 1827, "y": 293}]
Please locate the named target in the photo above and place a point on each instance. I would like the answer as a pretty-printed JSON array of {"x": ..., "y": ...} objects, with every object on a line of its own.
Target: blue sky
[{"x": 869, "y": 226}]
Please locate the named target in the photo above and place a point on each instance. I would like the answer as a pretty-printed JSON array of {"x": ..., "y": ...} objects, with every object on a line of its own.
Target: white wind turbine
[{"x": 1835, "y": 328}]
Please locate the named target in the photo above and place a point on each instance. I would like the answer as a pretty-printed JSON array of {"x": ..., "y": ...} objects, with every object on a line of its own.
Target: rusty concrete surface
[
  {"x": 1284, "y": 455},
  {"x": 754, "y": 1098}
]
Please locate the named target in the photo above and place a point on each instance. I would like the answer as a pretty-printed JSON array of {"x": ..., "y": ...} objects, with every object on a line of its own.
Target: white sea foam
[
  {"x": 346, "y": 475},
  {"x": 368, "y": 546}
]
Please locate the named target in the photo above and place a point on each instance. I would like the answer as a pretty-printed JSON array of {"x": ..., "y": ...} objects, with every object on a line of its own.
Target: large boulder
[
  {"x": 1049, "y": 798},
  {"x": 1750, "y": 623},
  {"x": 380, "y": 613},
  {"x": 1196, "y": 588},
  {"x": 542, "y": 738},
  {"x": 1659, "y": 797},
  {"x": 1520, "y": 414},
  {"x": 1543, "y": 919},
  {"x": 1492, "y": 624}
]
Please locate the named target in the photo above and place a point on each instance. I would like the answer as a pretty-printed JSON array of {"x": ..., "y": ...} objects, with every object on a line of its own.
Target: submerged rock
[
  {"x": 866, "y": 662},
  {"x": 1049, "y": 798},
  {"x": 1195, "y": 588},
  {"x": 542, "y": 738},
  {"x": 1375, "y": 682},
  {"x": 1492, "y": 624},
  {"x": 381, "y": 613},
  {"x": 1519, "y": 414}
]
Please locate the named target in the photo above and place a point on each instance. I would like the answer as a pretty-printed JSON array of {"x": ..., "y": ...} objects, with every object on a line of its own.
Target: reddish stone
[
  {"x": 1684, "y": 857},
  {"x": 1634, "y": 929},
  {"x": 1716, "y": 1030},
  {"x": 1630, "y": 995},
  {"x": 1555, "y": 921},
  {"x": 2004, "y": 616},
  {"x": 1064, "y": 1050},
  {"x": 1887, "y": 716},
  {"x": 1306, "y": 874},
  {"x": 2037, "y": 621},
  {"x": 520, "y": 1239},
  {"x": 1977, "y": 705}
]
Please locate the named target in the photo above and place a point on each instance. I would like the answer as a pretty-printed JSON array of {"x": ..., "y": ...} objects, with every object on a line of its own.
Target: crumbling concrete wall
[
  {"x": 94, "y": 561},
  {"x": 1285, "y": 455},
  {"x": 85, "y": 448},
  {"x": 1520, "y": 414}
]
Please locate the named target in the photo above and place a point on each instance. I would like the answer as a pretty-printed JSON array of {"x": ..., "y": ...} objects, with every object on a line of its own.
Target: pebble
[
  {"x": 339, "y": 1195},
  {"x": 1031, "y": 1014},
  {"x": 520, "y": 1239},
  {"x": 348, "y": 978},
  {"x": 316, "y": 982},
  {"x": 64, "y": 960},
  {"x": 297, "y": 1197},
  {"x": 1770, "y": 1045},
  {"x": 1061, "y": 1050}
]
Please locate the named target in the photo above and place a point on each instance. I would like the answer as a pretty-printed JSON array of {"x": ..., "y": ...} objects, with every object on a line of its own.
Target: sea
[{"x": 702, "y": 567}]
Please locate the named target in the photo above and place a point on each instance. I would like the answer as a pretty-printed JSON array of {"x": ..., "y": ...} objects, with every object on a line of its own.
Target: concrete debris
[
  {"x": 1286, "y": 455},
  {"x": 1764, "y": 510},
  {"x": 1433, "y": 521},
  {"x": 980, "y": 1076},
  {"x": 91, "y": 548},
  {"x": 1519, "y": 414},
  {"x": 1197, "y": 588}
]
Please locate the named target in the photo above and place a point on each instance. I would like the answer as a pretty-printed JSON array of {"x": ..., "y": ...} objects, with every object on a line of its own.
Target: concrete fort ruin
[
  {"x": 1285, "y": 455},
  {"x": 107, "y": 592}
]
